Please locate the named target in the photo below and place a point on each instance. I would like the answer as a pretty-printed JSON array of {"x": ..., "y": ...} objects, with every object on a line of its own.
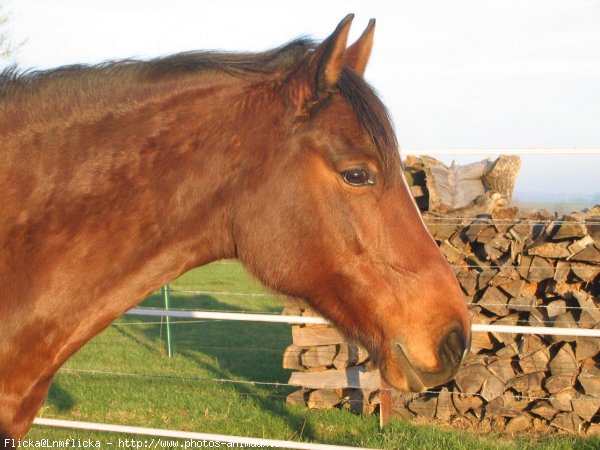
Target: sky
[{"x": 454, "y": 74}]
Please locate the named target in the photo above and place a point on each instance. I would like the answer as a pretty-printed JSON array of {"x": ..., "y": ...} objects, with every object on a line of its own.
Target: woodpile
[
  {"x": 539, "y": 271},
  {"x": 332, "y": 371}
]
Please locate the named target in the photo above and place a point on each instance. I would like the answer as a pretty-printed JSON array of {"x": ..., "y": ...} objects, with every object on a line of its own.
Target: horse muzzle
[{"x": 451, "y": 352}]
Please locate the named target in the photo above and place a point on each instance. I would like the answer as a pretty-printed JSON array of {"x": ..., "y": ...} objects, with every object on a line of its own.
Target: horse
[{"x": 117, "y": 178}]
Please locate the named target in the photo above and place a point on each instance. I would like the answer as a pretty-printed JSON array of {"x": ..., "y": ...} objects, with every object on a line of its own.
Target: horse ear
[
  {"x": 357, "y": 55},
  {"x": 323, "y": 68},
  {"x": 329, "y": 56}
]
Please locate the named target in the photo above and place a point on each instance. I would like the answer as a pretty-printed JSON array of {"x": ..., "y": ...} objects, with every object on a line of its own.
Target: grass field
[{"x": 124, "y": 377}]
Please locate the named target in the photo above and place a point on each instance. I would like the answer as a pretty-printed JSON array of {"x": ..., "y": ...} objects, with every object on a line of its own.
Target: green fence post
[{"x": 166, "y": 291}]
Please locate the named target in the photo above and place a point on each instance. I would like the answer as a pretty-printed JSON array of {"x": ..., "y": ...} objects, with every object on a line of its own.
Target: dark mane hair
[
  {"x": 372, "y": 115},
  {"x": 115, "y": 76},
  {"x": 67, "y": 90}
]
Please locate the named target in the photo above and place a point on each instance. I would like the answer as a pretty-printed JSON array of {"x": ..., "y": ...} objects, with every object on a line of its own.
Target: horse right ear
[
  {"x": 321, "y": 71},
  {"x": 357, "y": 55}
]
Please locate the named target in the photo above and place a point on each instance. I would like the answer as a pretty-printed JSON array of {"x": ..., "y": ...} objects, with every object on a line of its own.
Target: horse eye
[{"x": 357, "y": 177}]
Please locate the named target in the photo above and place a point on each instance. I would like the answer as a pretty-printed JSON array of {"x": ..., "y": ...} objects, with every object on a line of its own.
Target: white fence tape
[
  {"x": 255, "y": 317},
  {"x": 174, "y": 434}
]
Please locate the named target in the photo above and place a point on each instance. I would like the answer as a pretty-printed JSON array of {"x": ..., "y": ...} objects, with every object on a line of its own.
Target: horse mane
[{"x": 37, "y": 95}]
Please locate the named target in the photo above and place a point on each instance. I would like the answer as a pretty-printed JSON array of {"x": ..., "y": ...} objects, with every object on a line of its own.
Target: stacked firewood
[
  {"x": 332, "y": 371},
  {"x": 540, "y": 270}
]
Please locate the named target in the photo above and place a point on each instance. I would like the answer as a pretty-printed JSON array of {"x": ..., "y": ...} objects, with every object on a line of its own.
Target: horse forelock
[{"x": 373, "y": 117}]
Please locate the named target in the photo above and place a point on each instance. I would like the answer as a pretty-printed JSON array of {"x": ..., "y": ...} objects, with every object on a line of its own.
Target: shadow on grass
[
  {"x": 60, "y": 398},
  {"x": 246, "y": 351}
]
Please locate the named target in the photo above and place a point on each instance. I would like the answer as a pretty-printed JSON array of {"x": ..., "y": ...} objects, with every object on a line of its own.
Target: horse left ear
[
  {"x": 321, "y": 71},
  {"x": 357, "y": 55},
  {"x": 328, "y": 59}
]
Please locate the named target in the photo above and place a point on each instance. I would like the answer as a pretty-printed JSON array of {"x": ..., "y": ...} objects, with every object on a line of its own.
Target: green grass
[{"x": 124, "y": 376}]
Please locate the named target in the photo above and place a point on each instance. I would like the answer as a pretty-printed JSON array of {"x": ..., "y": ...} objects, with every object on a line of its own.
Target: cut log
[
  {"x": 291, "y": 357},
  {"x": 460, "y": 241},
  {"x": 496, "y": 249},
  {"x": 452, "y": 254},
  {"x": 528, "y": 384},
  {"x": 585, "y": 406},
  {"x": 445, "y": 407},
  {"x": 440, "y": 229},
  {"x": 544, "y": 408},
  {"x": 516, "y": 249},
  {"x": 586, "y": 347},
  {"x": 524, "y": 303},
  {"x": 494, "y": 301},
  {"x": 559, "y": 383},
  {"x": 512, "y": 288},
  {"x": 589, "y": 254},
  {"x": 323, "y": 399},
  {"x": 561, "y": 400},
  {"x": 589, "y": 377},
  {"x": 309, "y": 312},
  {"x": 565, "y": 320},
  {"x": 585, "y": 272},
  {"x": 468, "y": 281},
  {"x": 481, "y": 341},
  {"x": 508, "y": 351},
  {"x": 293, "y": 306},
  {"x": 553, "y": 250},
  {"x": 511, "y": 320},
  {"x": 424, "y": 407},
  {"x": 485, "y": 277},
  {"x": 291, "y": 311},
  {"x": 316, "y": 335},
  {"x": 349, "y": 354},
  {"x": 536, "y": 361},
  {"x": 562, "y": 290},
  {"x": 557, "y": 308},
  {"x": 579, "y": 245},
  {"x": 537, "y": 318},
  {"x": 563, "y": 362},
  {"x": 587, "y": 320},
  {"x": 493, "y": 387},
  {"x": 466, "y": 402},
  {"x": 587, "y": 304},
  {"x": 495, "y": 406},
  {"x": 530, "y": 343},
  {"x": 568, "y": 422},
  {"x": 541, "y": 427},
  {"x": 299, "y": 397},
  {"x": 540, "y": 269},
  {"x": 470, "y": 378},
  {"x": 480, "y": 231},
  {"x": 319, "y": 356},
  {"x": 524, "y": 264},
  {"x": 562, "y": 271},
  {"x": 521, "y": 231},
  {"x": 567, "y": 228},
  {"x": 592, "y": 224},
  {"x": 518, "y": 424},
  {"x": 514, "y": 403},
  {"x": 357, "y": 401},
  {"x": 356, "y": 377},
  {"x": 508, "y": 275}
]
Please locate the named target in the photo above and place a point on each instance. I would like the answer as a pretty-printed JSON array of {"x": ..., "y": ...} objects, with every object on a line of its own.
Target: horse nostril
[{"x": 453, "y": 348}]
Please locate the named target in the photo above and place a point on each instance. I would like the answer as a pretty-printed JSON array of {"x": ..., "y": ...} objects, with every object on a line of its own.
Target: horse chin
[{"x": 400, "y": 374}]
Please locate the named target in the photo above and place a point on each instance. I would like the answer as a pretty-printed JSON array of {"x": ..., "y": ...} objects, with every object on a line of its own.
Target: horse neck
[{"x": 129, "y": 201}]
